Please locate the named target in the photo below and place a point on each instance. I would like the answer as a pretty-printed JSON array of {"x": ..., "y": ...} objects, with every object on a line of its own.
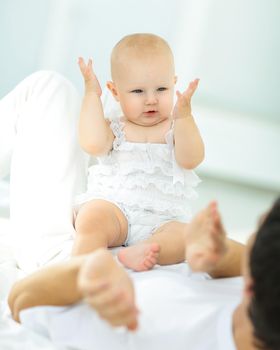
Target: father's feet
[
  {"x": 107, "y": 288},
  {"x": 205, "y": 240}
]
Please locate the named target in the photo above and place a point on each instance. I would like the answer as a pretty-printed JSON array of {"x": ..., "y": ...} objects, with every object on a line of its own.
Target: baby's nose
[{"x": 151, "y": 99}]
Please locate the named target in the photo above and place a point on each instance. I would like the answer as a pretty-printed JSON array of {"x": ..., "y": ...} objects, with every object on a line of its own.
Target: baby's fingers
[
  {"x": 178, "y": 93},
  {"x": 86, "y": 69},
  {"x": 89, "y": 65},
  {"x": 82, "y": 64},
  {"x": 191, "y": 89}
]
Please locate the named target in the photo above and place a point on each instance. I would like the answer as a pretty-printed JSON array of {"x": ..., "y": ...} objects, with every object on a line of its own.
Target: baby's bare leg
[
  {"x": 166, "y": 246},
  {"x": 202, "y": 242},
  {"x": 171, "y": 240},
  {"x": 99, "y": 224}
]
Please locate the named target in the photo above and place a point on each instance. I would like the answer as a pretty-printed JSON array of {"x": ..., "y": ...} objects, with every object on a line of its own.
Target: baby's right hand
[{"x": 91, "y": 81}]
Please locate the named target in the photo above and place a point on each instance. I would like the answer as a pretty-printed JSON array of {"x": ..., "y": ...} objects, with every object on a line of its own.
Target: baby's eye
[
  {"x": 137, "y": 91},
  {"x": 162, "y": 89}
]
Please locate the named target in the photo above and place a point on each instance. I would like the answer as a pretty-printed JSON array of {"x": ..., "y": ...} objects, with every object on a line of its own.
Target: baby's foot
[
  {"x": 140, "y": 257},
  {"x": 205, "y": 240},
  {"x": 107, "y": 288}
]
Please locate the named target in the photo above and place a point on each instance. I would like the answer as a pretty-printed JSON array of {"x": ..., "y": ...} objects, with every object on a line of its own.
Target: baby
[{"x": 138, "y": 194}]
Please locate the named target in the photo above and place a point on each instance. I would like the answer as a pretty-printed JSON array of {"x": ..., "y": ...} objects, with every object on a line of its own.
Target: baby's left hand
[{"x": 182, "y": 107}]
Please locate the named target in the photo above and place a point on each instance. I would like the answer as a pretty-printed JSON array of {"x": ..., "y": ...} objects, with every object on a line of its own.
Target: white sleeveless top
[{"x": 142, "y": 176}]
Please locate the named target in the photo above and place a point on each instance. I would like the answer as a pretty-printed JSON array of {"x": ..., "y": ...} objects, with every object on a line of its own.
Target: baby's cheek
[
  {"x": 168, "y": 106},
  {"x": 126, "y": 106},
  {"x": 131, "y": 111}
]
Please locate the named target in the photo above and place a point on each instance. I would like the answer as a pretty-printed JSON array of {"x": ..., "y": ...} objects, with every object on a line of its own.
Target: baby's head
[{"x": 143, "y": 78}]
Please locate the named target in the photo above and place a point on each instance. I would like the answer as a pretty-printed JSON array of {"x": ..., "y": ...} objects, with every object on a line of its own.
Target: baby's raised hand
[
  {"x": 182, "y": 107},
  {"x": 91, "y": 81}
]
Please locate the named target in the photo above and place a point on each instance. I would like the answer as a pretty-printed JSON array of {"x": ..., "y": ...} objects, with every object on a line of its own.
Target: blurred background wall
[{"x": 232, "y": 46}]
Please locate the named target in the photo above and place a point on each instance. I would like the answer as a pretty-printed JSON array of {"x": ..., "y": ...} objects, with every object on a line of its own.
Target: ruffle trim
[
  {"x": 131, "y": 168},
  {"x": 146, "y": 172},
  {"x": 120, "y": 142},
  {"x": 162, "y": 149},
  {"x": 117, "y": 128},
  {"x": 137, "y": 181},
  {"x": 138, "y": 201}
]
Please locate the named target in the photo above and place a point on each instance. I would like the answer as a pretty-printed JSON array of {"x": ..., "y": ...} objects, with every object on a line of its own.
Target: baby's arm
[
  {"x": 189, "y": 147},
  {"x": 95, "y": 134}
]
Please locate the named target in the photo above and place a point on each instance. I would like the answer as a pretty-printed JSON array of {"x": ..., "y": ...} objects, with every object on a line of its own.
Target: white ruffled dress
[{"x": 142, "y": 177}]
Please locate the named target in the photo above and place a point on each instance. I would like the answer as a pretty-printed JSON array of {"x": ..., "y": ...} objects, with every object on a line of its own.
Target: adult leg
[
  {"x": 51, "y": 285},
  {"x": 47, "y": 168},
  {"x": 96, "y": 277}
]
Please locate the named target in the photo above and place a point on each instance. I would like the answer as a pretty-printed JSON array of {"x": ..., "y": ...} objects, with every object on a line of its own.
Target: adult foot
[
  {"x": 140, "y": 257},
  {"x": 106, "y": 286},
  {"x": 205, "y": 240}
]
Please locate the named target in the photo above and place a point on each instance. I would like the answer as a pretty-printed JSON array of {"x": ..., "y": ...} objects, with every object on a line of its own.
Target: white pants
[{"x": 39, "y": 146}]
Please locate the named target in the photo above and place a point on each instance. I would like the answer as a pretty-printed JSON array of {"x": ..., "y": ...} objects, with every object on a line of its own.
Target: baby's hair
[{"x": 139, "y": 45}]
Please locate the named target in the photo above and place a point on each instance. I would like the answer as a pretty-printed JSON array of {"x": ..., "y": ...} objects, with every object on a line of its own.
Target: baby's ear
[
  {"x": 175, "y": 79},
  {"x": 112, "y": 87}
]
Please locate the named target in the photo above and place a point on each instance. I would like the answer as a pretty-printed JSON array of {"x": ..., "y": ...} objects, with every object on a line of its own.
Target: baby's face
[{"x": 145, "y": 89}]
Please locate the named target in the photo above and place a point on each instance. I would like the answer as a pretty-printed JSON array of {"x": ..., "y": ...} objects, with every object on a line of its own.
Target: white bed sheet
[
  {"x": 177, "y": 310},
  {"x": 14, "y": 336},
  {"x": 166, "y": 313}
]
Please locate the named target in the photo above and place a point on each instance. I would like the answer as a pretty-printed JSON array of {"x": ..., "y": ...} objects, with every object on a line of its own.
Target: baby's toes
[
  {"x": 148, "y": 264},
  {"x": 155, "y": 248},
  {"x": 153, "y": 260},
  {"x": 153, "y": 255}
]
